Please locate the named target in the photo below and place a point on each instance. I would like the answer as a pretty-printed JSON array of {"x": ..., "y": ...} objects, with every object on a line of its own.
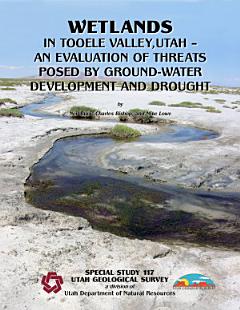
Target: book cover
[{"x": 119, "y": 154}]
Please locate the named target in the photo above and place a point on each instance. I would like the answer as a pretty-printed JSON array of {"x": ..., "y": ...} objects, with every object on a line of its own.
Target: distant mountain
[{"x": 81, "y": 77}]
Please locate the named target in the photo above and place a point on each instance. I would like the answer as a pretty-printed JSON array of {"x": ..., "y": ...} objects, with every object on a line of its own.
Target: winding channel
[{"x": 69, "y": 178}]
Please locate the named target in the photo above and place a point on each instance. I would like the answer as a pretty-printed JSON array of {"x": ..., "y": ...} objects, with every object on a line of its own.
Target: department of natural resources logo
[
  {"x": 52, "y": 282},
  {"x": 194, "y": 281}
]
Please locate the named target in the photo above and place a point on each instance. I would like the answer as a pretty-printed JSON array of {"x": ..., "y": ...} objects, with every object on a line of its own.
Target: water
[
  {"x": 70, "y": 179},
  {"x": 178, "y": 133},
  {"x": 34, "y": 109}
]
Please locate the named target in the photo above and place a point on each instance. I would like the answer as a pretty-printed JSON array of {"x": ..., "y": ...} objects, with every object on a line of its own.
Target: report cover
[{"x": 119, "y": 154}]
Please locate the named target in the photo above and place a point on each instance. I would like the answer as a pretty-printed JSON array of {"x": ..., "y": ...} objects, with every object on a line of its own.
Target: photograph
[{"x": 120, "y": 154}]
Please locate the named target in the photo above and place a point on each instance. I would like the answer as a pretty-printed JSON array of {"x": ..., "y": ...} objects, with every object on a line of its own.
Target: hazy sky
[{"x": 215, "y": 24}]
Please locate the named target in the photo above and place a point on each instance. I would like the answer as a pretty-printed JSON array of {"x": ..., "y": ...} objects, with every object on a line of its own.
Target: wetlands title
[{"x": 138, "y": 61}]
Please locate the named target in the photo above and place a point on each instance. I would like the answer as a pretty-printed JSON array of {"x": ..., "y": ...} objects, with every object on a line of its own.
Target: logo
[
  {"x": 194, "y": 280},
  {"x": 55, "y": 280}
]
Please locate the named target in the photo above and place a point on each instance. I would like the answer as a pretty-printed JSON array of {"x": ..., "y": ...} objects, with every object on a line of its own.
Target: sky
[{"x": 214, "y": 24}]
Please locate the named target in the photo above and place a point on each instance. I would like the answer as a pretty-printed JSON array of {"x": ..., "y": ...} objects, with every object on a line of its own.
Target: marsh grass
[
  {"x": 83, "y": 112},
  {"x": 194, "y": 105},
  {"x": 230, "y": 107},
  {"x": 141, "y": 116},
  {"x": 124, "y": 132},
  {"x": 10, "y": 112},
  {"x": 236, "y": 102},
  {"x": 213, "y": 110},
  {"x": 220, "y": 100},
  {"x": 5, "y": 100},
  {"x": 187, "y": 104},
  {"x": 8, "y": 88},
  {"x": 138, "y": 116},
  {"x": 13, "y": 82},
  {"x": 123, "y": 118},
  {"x": 217, "y": 91},
  {"x": 211, "y": 92},
  {"x": 157, "y": 103}
]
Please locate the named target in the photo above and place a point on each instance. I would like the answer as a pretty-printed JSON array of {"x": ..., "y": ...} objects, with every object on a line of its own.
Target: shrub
[
  {"x": 83, "y": 112},
  {"x": 213, "y": 110},
  {"x": 187, "y": 104},
  {"x": 12, "y": 82},
  {"x": 11, "y": 112},
  {"x": 206, "y": 107},
  {"x": 156, "y": 102},
  {"x": 8, "y": 88},
  {"x": 211, "y": 91},
  {"x": 141, "y": 116},
  {"x": 124, "y": 132},
  {"x": 220, "y": 100},
  {"x": 4, "y": 100},
  {"x": 123, "y": 118},
  {"x": 236, "y": 102}
]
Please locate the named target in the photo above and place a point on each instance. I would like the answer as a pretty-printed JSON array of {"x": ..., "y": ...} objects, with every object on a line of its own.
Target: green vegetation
[
  {"x": 141, "y": 116},
  {"x": 8, "y": 88},
  {"x": 206, "y": 107},
  {"x": 90, "y": 188},
  {"x": 11, "y": 112},
  {"x": 236, "y": 102},
  {"x": 123, "y": 118},
  {"x": 187, "y": 104},
  {"x": 9, "y": 100},
  {"x": 137, "y": 116},
  {"x": 220, "y": 100},
  {"x": 158, "y": 103},
  {"x": 213, "y": 110},
  {"x": 222, "y": 90},
  {"x": 230, "y": 107},
  {"x": 13, "y": 82},
  {"x": 83, "y": 112},
  {"x": 211, "y": 91},
  {"x": 124, "y": 132}
]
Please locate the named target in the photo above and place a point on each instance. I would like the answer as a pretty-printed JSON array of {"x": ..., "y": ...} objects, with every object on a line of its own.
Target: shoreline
[{"x": 51, "y": 239}]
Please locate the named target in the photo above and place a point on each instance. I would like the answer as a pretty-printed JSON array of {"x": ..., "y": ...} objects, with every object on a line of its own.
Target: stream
[{"x": 69, "y": 178}]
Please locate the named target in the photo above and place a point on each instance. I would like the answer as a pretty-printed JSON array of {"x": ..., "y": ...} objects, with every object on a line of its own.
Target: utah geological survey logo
[
  {"x": 194, "y": 280},
  {"x": 52, "y": 282}
]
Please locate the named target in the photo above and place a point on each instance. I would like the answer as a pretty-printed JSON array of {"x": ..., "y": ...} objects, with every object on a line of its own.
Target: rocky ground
[{"x": 34, "y": 242}]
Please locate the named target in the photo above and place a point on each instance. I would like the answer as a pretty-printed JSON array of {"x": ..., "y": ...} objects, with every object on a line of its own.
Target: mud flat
[{"x": 35, "y": 241}]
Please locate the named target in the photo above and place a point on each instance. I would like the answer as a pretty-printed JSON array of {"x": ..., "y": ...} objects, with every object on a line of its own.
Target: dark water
[
  {"x": 70, "y": 179},
  {"x": 177, "y": 133}
]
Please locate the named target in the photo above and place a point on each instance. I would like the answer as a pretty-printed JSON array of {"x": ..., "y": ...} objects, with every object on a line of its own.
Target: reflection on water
[
  {"x": 68, "y": 179},
  {"x": 34, "y": 109},
  {"x": 177, "y": 133}
]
